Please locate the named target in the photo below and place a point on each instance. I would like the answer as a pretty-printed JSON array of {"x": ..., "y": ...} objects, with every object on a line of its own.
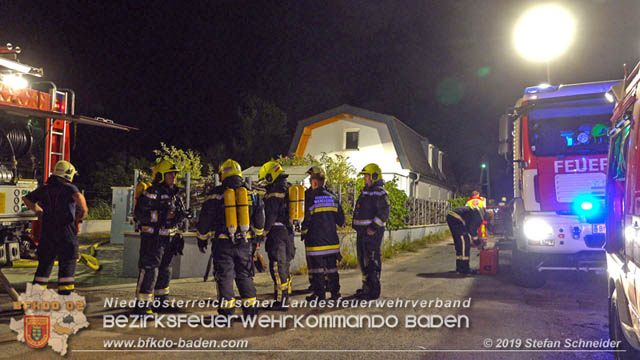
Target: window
[{"x": 351, "y": 140}]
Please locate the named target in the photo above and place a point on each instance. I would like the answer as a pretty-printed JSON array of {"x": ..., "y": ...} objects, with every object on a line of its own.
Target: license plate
[{"x": 599, "y": 228}]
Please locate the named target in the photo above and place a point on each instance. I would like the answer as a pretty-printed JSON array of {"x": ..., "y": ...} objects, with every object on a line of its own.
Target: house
[{"x": 365, "y": 136}]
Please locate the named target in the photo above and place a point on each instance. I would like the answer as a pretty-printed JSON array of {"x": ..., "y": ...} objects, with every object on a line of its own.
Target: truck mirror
[{"x": 504, "y": 134}]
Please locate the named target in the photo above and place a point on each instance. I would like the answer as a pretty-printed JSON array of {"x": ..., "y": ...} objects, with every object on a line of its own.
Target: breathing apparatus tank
[
  {"x": 296, "y": 205},
  {"x": 140, "y": 188},
  {"x": 242, "y": 206},
  {"x": 231, "y": 220}
]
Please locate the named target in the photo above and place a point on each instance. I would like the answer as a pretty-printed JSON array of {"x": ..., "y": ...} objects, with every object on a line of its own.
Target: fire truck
[
  {"x": 623, "y": 218},
  {"x": 35, "y": 133},
  {"x": 556, "y": 138}
]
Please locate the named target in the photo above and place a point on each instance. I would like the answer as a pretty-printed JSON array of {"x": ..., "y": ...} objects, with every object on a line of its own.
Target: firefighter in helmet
[
  {"x": 232, "y": 218},
  {"x": 464, "y": 223},
  {"x": 322, "y": 213},
  {"x": 278, "y": 228},
  {"x": 61, "y": 206},
  {"x": 370, "y": 214},
  {"x": 158, "y": 213}
]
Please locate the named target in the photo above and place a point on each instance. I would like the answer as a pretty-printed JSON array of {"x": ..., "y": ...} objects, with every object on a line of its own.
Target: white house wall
[{"x": 374, "y": 143}]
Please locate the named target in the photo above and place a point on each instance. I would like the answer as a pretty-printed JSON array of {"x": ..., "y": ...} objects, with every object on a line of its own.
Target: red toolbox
[{"x": 489, "y": 261}]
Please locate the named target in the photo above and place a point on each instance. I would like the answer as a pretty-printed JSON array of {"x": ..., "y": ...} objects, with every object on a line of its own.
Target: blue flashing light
[
  {"x": 588, "y": 205},
  {"x": 542, "y": 88}
]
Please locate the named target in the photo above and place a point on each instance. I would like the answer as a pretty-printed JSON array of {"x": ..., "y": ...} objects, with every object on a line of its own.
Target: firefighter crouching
[
  {"x": 370, "y": 214},
  {"x": 322, "y": 212},
  {"x": 463, "y": 223},
  {"x": 278, "y": 228},
  {"x": 158, "y": 211},
  {"x": 61, "y": 206},
  {"x": 232, "y": 217}
]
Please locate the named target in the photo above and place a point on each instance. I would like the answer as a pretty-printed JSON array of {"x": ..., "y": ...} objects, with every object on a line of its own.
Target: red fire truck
[
  {"x": 35, "y": 133},
  {"x": 623, "y": 218},
  {"x": 556, "y": 137}
]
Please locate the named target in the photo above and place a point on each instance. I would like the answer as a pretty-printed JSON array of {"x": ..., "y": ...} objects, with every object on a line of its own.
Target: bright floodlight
[
  {"x": 15, "y": 81},
  {"x": 544, "y": 32}
]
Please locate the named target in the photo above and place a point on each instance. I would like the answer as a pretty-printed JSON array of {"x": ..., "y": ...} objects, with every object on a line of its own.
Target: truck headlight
[{"x": 537, "y": 229}]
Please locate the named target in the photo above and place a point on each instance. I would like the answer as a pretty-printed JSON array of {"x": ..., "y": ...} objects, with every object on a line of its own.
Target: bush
[
  {"x": 99, "y": 210},
  {"x": 458, "y": 202}
]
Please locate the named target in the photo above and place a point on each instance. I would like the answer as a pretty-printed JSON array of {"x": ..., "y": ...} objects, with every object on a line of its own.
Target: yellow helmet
[
  {"x": 229, "y": 168},
  {"x": 270, "y": 171},
  {"x": 373, "y": 170},
  {"x": 163, "y": 167},
  {"x": 65, "y": 170}
]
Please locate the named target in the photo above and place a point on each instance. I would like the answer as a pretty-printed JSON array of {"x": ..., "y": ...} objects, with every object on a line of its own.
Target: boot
[
  {"x": 143, "y": 308},
  {"x": 249, "y": 312},
  {"x": 459, "y": 266}
]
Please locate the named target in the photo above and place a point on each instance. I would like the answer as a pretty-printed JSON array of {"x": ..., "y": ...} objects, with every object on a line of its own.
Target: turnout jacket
[
  {"x": 471, "y": 218},
  {"x": 152, "y": 208},
  {"x": 212, "y": 225},
  {"x": 276, "y": 204},
  {"x": 56, "y": 200},
  {"x": 372, "y": 207},
  {"x": 322, "y": 212}
]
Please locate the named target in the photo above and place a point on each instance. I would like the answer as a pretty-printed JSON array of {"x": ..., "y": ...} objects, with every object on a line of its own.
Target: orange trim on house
[{"x": 306, "y": 132}]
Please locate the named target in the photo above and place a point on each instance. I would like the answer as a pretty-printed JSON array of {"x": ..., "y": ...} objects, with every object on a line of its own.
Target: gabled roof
[{"x": 409, "y": 145}]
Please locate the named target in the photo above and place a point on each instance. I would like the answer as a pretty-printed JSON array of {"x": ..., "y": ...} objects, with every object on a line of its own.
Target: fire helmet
[
  {"x": 270, "y": 171},
  {"x": 229, "y": 168},
  {"x": 163, "y": 167},
  {"x": 317, "y": 172},
  {"x": 373, "y": 170},
  {"x": 65, "y": 170}
]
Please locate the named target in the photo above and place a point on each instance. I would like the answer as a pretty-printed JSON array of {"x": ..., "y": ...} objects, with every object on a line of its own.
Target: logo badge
[{"x": 36, "y": 330}]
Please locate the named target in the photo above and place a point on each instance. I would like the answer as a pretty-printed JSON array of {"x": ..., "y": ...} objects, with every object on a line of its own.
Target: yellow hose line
[{"x": 88, "y": 259}]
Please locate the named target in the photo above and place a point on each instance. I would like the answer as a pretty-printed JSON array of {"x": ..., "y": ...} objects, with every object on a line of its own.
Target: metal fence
[
  {"x": 427, "y": 212},
  {"x": 421, "y": 211}
]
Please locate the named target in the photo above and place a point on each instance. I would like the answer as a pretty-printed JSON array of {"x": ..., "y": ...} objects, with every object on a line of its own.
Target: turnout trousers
[
  {"x": 155, "y": 267},
  {"x": 462, "y": 243},
  {"x": 63, "y": 245},
  {"x": 234, "y": 262},
  {"x": 323, "y": 274},
  {"x": 281, "y": 250},
  {"x": 368, "y": 248}
]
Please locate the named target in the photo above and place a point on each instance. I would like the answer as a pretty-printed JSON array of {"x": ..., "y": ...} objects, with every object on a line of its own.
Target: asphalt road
[{"x": 571, "y": 307}]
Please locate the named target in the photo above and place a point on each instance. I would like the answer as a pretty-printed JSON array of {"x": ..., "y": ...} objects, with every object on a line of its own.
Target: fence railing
[
  {"x": 427, "y": 212},
  {"x": 421, "y": 211}
]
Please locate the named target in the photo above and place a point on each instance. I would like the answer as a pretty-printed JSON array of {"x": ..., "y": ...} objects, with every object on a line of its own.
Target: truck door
[
  {"x": 621, "y": 231},
  {"x": 633, "y": 199}
]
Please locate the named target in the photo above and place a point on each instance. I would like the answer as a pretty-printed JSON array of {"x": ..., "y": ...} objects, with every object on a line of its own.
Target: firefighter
[
  {"x": 158, "y": 213},
  {"x": 322, "y": 212},
  {"x": 370, "y": 214},
  {"x": 476, "y": 200},
  {"x": 232, "y": 217},
  {"x": 61, "y": 206},
  {"x": 463, "y": 223},
  {"x": 278, "y": 229}
]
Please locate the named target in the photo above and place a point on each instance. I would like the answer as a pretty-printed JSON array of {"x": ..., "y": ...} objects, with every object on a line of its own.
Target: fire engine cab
[
  {"x": 35, "y": 130},
  {"x": 623, "y": 218},
  {"x": 556, "y": 137}
]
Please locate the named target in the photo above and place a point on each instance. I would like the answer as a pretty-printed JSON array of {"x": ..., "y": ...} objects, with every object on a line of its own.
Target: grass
[{"x": 350, "y": 260}]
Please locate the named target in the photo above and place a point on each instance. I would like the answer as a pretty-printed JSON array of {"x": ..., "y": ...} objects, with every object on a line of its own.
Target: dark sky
[{"x": 178, "y": 70}]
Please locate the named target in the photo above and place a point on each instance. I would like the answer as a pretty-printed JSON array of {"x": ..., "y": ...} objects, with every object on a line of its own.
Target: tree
[
  {"x": 117, "y": 170},
  {"x": 186, "y": 161},
  {"x": 259, "y": 133}
]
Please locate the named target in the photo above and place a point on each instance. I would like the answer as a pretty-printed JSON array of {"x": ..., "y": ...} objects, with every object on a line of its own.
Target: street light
[{"x": 544, "y": 33}]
